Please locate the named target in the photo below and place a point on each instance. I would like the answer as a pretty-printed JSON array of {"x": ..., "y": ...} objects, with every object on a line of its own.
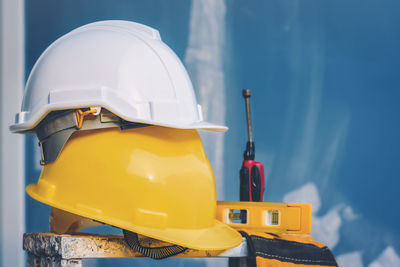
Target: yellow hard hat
[{"x": 155, "y": 181}]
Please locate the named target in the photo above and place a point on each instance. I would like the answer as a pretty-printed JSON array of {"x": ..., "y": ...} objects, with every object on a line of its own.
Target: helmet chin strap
[
  {"x": 157, "y": 253},
  {"x": 62, "y": 222}
]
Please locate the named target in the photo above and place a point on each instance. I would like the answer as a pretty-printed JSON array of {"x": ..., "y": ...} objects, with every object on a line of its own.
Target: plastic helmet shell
[
  {"x": 155, "y": 181},
  {"x": 118, "y": 65}
]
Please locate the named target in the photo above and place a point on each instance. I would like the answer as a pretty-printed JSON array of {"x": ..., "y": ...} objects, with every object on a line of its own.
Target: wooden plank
[{"x": 80, "y": 246}]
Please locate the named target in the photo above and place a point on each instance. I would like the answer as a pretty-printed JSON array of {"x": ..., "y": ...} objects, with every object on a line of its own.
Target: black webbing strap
[
  {"x": 157, "y": 253},
  {"x": 251, "y": 252}
]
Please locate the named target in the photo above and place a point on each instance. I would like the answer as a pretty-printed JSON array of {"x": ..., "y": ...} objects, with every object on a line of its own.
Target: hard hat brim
[
  {"x": 218, "y": 236},
  {"x": 26, "y": 121},
  {"x": 201, "y": 125}
]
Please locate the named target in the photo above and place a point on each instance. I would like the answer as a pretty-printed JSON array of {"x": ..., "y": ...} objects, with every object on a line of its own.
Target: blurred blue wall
[{"x": 325, "y": 81}]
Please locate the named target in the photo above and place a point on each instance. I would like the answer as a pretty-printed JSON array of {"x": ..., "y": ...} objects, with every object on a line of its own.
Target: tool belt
[{"x": 285, "y": 250}]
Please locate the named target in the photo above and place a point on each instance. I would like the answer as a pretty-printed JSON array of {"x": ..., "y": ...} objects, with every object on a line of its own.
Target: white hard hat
[{"x": 120, "y": 66}]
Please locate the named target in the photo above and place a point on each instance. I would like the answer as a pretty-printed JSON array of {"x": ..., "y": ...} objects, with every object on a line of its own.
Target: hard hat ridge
[{"x": 121, "y": 66}]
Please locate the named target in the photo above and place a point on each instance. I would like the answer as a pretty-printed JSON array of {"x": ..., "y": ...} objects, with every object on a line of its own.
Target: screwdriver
[{"x": 252, "y": 172}]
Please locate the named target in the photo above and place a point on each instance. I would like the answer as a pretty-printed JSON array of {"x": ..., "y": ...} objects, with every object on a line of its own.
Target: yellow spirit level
[
  {"x": 289, "y": 218},
  {"x": 286, "y": 218}
]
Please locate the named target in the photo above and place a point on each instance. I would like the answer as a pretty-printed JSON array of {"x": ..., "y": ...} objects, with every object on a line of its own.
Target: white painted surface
[
  {"x": 326, "y": 227},
  {"x": 388, "y": 258},
  {"x": 12, "y": 145},
  {"x": 352, "y": 259},
  {"x": 204, "y": 61},
  {"x": 307, "y": 193}
]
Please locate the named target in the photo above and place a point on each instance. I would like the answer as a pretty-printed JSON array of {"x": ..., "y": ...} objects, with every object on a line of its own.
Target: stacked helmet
[
  {"x": 116, "y": 117},
  {"x": 120, "y": 67}
]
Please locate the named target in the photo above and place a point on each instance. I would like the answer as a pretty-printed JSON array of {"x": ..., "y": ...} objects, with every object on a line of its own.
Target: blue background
[{"x": 325, "y": 83}]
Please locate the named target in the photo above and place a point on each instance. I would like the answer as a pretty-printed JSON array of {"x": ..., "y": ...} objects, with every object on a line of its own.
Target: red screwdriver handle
[
  {"x": 252, "y": 181},
  {"x": 252, "y": 172}
]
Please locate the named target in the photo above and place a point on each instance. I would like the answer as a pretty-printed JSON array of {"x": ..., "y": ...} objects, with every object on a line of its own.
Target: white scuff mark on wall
[
  {"x": 348, "y": 214},
  {"x": 388, "y": 258},
  {"x": 308, "y": 193},
  {"x": 325, "y": 228},
  {"x": 352, "y": 259},
  {"x": 302, "y": 146},
  {"x": 300, "y": 165},
  {"x": 204, "y": 61},
  {"x": 332, "y": 154}
]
